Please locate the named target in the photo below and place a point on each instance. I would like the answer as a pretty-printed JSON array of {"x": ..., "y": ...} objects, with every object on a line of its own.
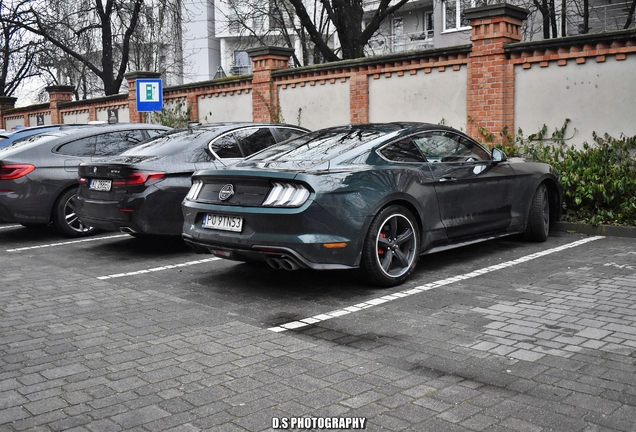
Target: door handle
[{"x": 448, "y": 179}]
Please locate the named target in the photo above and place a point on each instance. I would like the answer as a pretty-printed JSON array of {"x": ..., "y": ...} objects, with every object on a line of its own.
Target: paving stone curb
[{"x": 604, "y": 230}]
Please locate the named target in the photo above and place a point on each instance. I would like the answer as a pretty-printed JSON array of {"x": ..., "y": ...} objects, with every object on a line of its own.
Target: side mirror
[{"x": 498, "y": 155}]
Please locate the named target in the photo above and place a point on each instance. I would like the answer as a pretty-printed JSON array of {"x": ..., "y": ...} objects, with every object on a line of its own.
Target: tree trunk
[
  {"x": 586, "y": 17},
  {"x": 630, "y": 15}
]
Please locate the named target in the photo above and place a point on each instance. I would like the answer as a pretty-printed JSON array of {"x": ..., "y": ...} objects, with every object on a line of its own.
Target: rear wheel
[
  {"x": 391, "y": 248},
  {"x": 65, "y": 218},
  {"x": 539, "y": 217}
]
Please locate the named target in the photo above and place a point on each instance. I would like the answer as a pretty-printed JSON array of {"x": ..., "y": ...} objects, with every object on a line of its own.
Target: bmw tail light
[
  {"x": 14, "y": 171},
  {"x": 286, "y": 195},
  {"x": 140, "y": 178},
  {"x": 197, "y": 185}
]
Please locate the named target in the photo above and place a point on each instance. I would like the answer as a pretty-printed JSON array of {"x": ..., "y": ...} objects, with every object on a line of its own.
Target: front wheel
[
  {"x": 65, "y": 218},
  {"x": 391, "y": 247},
  {"x": 539, "y": 216}
]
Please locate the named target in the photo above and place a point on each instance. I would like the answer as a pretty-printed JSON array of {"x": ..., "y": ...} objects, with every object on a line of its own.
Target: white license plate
[
  {"x": 223, "y": 222},
  {"x": 100, "y": 185}
]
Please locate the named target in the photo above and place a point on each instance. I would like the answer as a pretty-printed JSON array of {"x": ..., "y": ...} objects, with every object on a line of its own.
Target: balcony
[{"x": 386, "y": 44}]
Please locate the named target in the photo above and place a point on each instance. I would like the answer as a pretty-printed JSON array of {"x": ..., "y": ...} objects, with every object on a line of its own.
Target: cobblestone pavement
[{"x": 108, "y": 335}]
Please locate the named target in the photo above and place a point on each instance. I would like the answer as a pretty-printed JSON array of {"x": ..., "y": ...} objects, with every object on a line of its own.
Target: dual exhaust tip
[{"x": 282, "y": 263}]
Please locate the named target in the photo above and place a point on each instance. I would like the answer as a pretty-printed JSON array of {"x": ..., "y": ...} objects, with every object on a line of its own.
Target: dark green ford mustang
[{"x": 373, "y": 196}]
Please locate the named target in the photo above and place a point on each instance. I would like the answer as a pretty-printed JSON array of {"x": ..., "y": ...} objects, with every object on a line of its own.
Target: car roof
[
  {"x": 377, "y": 135},
  {"x": 232, "y": 125},
  {"x": 395, "y": 126},
  {"x": 95, "y": 129},
  {"x": 61, "y": 135}
]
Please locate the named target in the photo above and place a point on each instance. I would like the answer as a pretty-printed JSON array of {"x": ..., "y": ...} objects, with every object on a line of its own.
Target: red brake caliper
[{"x": 381, "y": 251}]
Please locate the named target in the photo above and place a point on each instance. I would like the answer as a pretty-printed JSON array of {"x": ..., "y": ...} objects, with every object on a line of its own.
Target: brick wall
[{"x": 496, "y": 83}]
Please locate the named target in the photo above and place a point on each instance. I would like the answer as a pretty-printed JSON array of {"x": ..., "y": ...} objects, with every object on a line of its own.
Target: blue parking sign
[{"x": 149, "y": 95}]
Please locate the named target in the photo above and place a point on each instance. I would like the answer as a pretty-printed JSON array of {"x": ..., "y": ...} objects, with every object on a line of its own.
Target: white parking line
[
  {"x": 171, "y": 266},
  {"x": 67, "y": 243},
  {"x": 10, "y": 226},
  {"x": 429, "y": 286}
]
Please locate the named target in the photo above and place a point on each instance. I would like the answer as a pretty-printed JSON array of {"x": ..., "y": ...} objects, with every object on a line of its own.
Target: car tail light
[
  {"x": 14, "y": 171},
  {"x": 197, "y": 185},
  {"x": 286, "y": 195},
  {"x": 140, "y": 178}
]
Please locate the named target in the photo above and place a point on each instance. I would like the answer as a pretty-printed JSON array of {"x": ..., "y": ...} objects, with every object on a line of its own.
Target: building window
[
  {"x": 242, "y": 64},
  {"x": 453, "y": 11}
]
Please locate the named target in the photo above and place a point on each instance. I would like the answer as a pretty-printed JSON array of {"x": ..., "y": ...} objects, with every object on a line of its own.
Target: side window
[
  {"x": 80, "y": 147},
  {"x": 155, "y": 132},
  {"x": 402, "y": 151},
  {"x": 114, "y": 143},
  {"x": 444, "y": 146},
  {"x": 254, "y": 139},
  {"x": 226, "y": 147},
  {"x": 288, "y": 133}
]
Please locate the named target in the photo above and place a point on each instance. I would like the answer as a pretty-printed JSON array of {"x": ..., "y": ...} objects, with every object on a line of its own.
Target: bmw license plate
[
  {"x": 100, "y": 185},
  {"x": 222, "y": 222}
]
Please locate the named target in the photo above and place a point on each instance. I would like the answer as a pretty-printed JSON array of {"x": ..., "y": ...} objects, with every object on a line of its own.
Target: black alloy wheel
[
  {"x": 65, "y": 218},
  {"x": 391, "y": 249}
]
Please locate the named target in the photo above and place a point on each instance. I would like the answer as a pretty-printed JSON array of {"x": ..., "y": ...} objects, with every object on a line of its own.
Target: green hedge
[{"x": 599, "y": 179}]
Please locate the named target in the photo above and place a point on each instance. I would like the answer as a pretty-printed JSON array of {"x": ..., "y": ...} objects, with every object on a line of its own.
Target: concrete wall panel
[
  {"x": 316, "y": 106},
  {"x": 75, "y": 117},
  {"x": 422, "y": 97},
  {"x": 237, "y": 107},
  {"x": 598, "y": 97}
]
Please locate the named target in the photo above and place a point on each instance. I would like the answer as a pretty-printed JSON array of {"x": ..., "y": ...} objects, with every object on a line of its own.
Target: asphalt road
[{"x": 110, "y": 333}]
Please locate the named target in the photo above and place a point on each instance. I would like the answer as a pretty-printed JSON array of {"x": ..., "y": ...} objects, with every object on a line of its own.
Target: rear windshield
[
  {"x": 29, "y": 140},
  {"x": 169, "y": 144},
  {"x": 316, "y": 146}
]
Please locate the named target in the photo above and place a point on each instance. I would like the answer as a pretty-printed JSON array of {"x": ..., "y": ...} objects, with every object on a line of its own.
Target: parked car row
[
  {"x": 140, "y": 192},
  {"x": 38, "y": 174},
  {"x": 372, "y": 197}
]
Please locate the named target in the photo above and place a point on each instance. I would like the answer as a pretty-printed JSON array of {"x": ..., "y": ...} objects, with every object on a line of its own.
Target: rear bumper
[
  {"x": 155, "y": 212},
  {"x": 275, "y": 256},
  {"x": 307, "y": 236}
]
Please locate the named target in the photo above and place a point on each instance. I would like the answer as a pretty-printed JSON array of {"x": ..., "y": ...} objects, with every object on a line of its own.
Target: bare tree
[
  {"x": 630, "y": 15},
  {"x": 254, "y": 22},
  {"x": 347, "y": 18},
  {"x": 327, "y": 30},
  {"x": 18, "y": 49},
  {"x": 98, "y": 41}
]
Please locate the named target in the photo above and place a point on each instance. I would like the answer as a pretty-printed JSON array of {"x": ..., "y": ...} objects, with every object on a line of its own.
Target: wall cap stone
[
  {"x": 585, "y": 39},
  {"x": 495, "y": 10},
  {"x": 270, "y": 50},
  {"x": 60, "y": 89},
  {"x": 375, "y": 60},
  {"x": 141, "y": 74}
]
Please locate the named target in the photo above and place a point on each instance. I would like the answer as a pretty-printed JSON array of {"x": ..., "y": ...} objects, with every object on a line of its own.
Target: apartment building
[{"x": 217, "y": 33}]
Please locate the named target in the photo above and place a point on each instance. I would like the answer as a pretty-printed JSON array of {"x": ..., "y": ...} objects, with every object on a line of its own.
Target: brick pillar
[
  {"x": 265, "y": 60},
  {"x": 6, "y": 103},
  {"x": 491, "y": 79},
  {"x": 132, "y": 77},
  {"x": 359, "y": 98},
  {"x": 57, "y": 94}
]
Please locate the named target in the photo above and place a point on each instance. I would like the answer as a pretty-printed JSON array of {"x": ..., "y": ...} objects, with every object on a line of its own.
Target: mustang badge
[{"x": 226, "y": 192}]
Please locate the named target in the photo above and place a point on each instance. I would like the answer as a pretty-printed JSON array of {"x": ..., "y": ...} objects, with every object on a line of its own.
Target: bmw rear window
[{"x": 169, "y": 144}]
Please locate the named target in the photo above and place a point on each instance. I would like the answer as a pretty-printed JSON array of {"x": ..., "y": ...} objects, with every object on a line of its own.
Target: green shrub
[
  {"x": 173, "y": 115},
  {"x": 599, "y": 179}
]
